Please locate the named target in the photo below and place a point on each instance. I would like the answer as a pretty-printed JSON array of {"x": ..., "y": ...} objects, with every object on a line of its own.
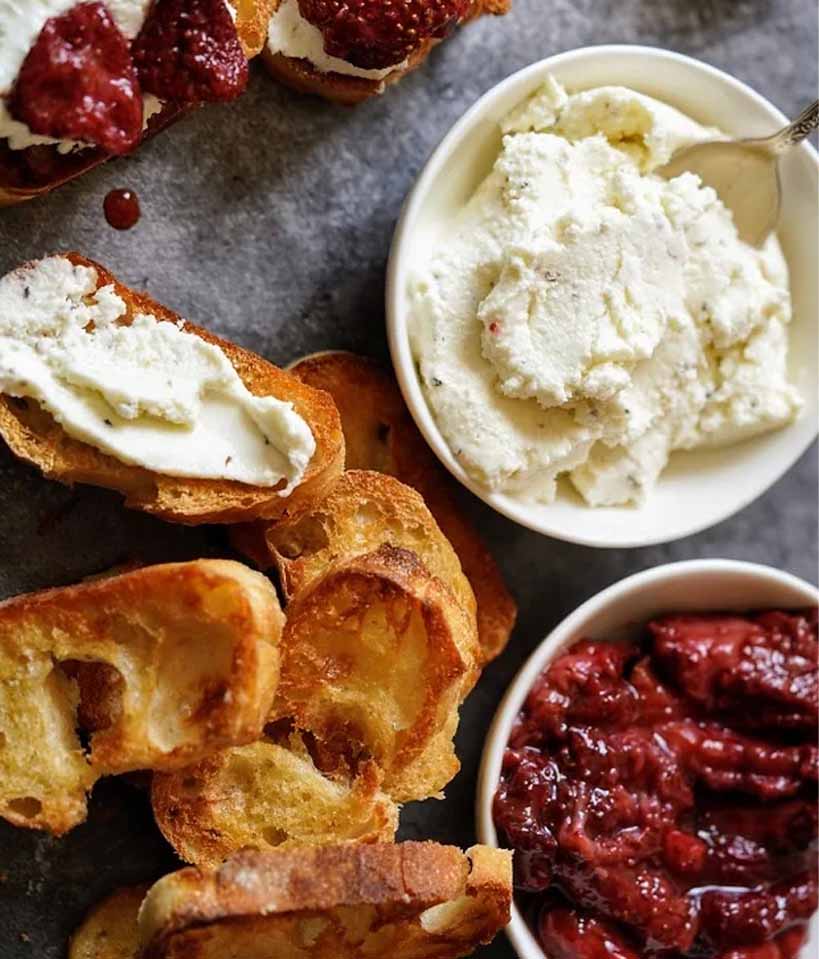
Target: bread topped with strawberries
[
  {"x": 83, "y": 81},
  {"x": 349, "y": 50}
]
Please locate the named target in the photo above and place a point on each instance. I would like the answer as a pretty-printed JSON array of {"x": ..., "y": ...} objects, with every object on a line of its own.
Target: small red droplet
[
  {"x": 122, "y": 209},
  {"x": 493, "y": 327}
]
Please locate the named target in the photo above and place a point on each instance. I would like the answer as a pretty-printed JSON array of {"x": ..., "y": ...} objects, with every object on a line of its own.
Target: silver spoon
[{"x": 745, "y": 173}]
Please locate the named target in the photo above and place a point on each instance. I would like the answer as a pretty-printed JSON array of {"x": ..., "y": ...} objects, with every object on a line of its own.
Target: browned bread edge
[{"x": 401, "y": 880}]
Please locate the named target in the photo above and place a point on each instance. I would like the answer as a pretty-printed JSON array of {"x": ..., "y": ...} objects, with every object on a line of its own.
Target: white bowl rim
[
  {"x": 522, "y": 940},
  {"x": 398, "y": 336}
]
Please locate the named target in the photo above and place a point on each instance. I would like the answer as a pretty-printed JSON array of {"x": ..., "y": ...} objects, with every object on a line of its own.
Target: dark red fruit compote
[{"x": 661, "y": 795}]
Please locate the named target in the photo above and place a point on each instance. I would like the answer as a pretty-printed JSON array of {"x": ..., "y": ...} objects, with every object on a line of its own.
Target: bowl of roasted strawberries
[{"x": 654, "y": 768}]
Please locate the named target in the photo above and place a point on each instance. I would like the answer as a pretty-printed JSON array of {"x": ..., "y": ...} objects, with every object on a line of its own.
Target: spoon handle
[{"x": 805, "y": 123}]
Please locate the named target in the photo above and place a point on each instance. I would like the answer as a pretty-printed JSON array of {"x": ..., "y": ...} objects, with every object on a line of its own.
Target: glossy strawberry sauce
[
  {"x": 661, "y": 795},
  {"x": 121, "y": 209}
]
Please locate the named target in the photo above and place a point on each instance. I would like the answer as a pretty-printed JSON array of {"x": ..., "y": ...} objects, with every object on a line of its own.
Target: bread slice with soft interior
[
  {"x": 269, "y": 794},
  {"x": 363, "y": 511},
  {"x": 380, "y": 435},
  {"x": 34, "y": 436},
  {"x": 158, "y": 668},
  {"x": 109, "y": 930},
  {"x": 27, "y": 174},
  {"x": 377, "y": 656},
  {"x": 406, "y": 901},
  {"x": 302, "y": 76}
]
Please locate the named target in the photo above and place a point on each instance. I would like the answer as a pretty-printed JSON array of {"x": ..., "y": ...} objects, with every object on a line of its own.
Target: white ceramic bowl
[
  {"x": 616, "y": 613},
  {"x": 698, "y": 488}
]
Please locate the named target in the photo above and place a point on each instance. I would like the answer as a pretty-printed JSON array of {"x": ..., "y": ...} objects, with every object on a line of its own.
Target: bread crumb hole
[
  {"x": 27, "y": 806},
  {"x": 304, "y": 539},
  {"x": 101, "y": 687},
  {"x": 274, "y": 836}
]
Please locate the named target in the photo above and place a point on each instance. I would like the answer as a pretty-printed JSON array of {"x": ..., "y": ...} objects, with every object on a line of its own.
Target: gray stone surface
[{"x": 270, "y": 223}]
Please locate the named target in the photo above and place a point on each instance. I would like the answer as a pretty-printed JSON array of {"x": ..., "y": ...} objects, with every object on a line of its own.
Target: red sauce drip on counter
[
  {"x": 122, "y": 209},
  {"x": 661, "y": 796}
]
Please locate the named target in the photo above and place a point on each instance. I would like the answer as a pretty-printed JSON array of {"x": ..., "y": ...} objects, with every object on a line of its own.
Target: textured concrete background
[{"x": 269, "y": 222}]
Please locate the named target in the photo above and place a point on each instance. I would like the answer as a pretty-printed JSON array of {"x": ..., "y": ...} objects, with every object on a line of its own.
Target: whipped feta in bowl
[{"x": 587, "y": 346}]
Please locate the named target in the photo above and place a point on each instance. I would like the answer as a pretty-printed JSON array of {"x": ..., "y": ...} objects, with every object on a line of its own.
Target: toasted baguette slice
[
  {"x": 266, "y": 795},
  {"x": 26, "y": 174},
  {"x": 341, "y": 88},
  {"x": 405, "y": 901},
  {"x": 34, "y": 436},
  {"x": 377, "y": 655},
  {"x": 380, "y": 435},
  {"x": 162, "y": 667},
  {"x": 363, "y": 511},
  {"x": 110, "y": 931}
]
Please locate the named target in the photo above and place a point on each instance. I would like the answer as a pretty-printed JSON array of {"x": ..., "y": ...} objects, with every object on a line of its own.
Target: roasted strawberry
[
  {"x": 585, "y": 685},
  {"x": 78, "y": 82},
  {"x": 571, "y": 934},
  {"x": 758, "y": 671},
  {"x": 747, "y": 917},
  {"x": 188, "y": 51},
  {"x": 374, "y": 35}
]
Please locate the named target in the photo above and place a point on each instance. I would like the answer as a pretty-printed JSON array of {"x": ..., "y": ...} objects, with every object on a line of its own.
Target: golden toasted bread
[
  {"x": 266, "y": 795},
  {"x": 381, "y": 648},
  {"x": 380, "y": 435},
  {"x": 161, "y": 667},
  {"x": 26, "y": 174},
  {"x": 377, "y": 656},
  {"x": 405, "y": 901},
  {"x": 252, "y": 19},
  {"x": 33, "y": 435},
  {"x": 302, "y": 76},
  {"x": 363, "y": 511},
  {"x": 109, "y": 931}
]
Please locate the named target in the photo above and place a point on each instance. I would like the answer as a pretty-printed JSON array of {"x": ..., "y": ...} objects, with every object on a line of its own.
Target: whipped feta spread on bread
[
  {"x": 291, "y": 35},
  {"x": 586, "y": 317},
  {"x": 20, "y": 24},
  {"x": 148, "y": 393}
]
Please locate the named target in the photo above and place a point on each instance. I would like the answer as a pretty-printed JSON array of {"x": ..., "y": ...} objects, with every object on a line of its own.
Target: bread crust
[
  {"x": 27, "y": 174},
  {"x": 381, "y": 435},
  {"x": 35, "y": 437},
  {"x": 162, "y": 667},
  {"x": 407, "y": 901},
  {"x": 340, "y": 88},
  {"x": 109, "y": 931}
]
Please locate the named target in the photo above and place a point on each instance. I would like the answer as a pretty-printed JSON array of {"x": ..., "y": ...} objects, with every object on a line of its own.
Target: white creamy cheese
[
  {"x": 147, "y": 393},
  {"x": 586, "y": 317},
  {"x": 20, "y": 24},
  {"x": 293, "y": 36}
]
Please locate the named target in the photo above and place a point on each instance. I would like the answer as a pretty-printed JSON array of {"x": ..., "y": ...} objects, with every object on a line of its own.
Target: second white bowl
[
  {"x": 698, "y": 488},
  {"x": 617, "y": 613}
]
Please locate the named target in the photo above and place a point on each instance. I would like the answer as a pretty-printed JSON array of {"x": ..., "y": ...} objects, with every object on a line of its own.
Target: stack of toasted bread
[{"x": 298, "y": 732}]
